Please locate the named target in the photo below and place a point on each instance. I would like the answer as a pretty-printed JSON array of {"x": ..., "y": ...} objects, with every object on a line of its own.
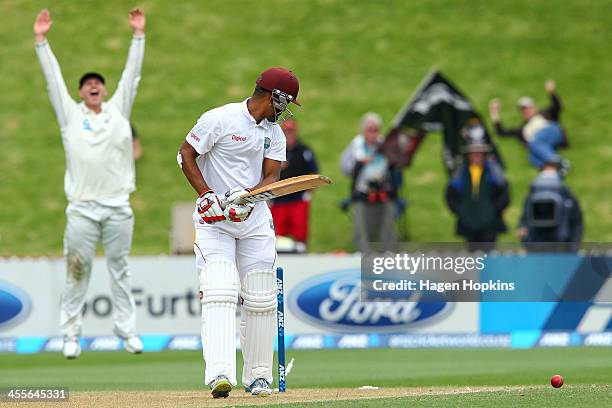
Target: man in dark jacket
[
  {"x": 478, "y": 195},
  {"x": 540, "y": 131},
  {"x": 291, "y": 212},
  {"x": 551, "y": 213}
]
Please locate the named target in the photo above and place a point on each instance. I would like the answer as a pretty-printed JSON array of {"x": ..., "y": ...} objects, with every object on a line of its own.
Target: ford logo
[
  {"x": 15, "y": 305},
  {"x": 332, "y": 301}
]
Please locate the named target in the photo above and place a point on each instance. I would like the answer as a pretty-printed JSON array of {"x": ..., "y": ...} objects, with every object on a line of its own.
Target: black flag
[{"x": 436, "y": 106}]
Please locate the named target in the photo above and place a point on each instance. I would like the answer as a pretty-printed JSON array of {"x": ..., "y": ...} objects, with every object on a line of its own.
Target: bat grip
[{"x": 238, "y": 201}]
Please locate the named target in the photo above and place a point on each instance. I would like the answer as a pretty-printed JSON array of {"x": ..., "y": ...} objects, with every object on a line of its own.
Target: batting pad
[
  {"x": 219, "y": 286},
  {"x": 246, "y": 365},
  {"x": 259, "y": 305}
]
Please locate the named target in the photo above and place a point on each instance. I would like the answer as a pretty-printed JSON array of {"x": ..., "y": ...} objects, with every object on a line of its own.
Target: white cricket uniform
[
  {"x": 232, "y": 148},
  {"x": 98, "y": 181}
]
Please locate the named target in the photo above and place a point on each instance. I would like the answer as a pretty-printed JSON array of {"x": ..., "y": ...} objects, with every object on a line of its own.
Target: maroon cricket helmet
[{"x": 281, "y": 79}]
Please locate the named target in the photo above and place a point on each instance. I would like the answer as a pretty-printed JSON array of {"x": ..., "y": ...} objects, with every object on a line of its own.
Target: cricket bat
[{"x": 284, "y": 187}]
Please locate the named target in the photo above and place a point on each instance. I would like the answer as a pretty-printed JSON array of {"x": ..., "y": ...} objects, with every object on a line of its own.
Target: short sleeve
[
  {"x": 206, "y": 132},
  {"x": 278, "y": 145}
]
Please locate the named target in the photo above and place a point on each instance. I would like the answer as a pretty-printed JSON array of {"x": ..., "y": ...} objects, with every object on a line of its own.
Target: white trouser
[
  {"x": 250, "y": 245},
  {"x": 87, "y": 223}
]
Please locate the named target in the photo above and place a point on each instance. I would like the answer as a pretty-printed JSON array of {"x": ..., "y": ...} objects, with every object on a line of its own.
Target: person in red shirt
[{"x": 291, "y": 212}]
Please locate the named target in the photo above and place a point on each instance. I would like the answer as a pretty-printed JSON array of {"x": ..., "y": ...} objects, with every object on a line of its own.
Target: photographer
[
  {"x": 374, "y": 188},
  {"x": 551, "y": 213}
]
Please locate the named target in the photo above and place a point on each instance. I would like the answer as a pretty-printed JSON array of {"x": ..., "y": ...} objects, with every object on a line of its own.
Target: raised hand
[
  {"x": 42, "y": 24},
  {"x": 550, "y": 86},
  {"x": 494, "y": 108},
  {"x": 137, "y": 21}
]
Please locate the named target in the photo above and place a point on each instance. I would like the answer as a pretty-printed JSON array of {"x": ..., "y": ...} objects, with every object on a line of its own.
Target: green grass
[
  {"x": 581, "y": 396},
  {"x": 323, "y": 368},
  {"x": 586, "y": 371},
  {"x": 351, "y": 57}
]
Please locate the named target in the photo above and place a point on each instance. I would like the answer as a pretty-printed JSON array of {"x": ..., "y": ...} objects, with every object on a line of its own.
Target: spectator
[
  {"x": 551, "y": 213},
  {"x": 374, "y": 188},
  {"x": 291, "y": 212},
  {"x": 540, "y": 131},
  {"x": 478, "y": 194},
  {"x": 136, "y": 145}
]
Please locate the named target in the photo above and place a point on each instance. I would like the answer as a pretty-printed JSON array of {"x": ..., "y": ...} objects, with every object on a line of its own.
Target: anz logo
[
  {"x": 15, "y": 306},
  {"x": 332, "y": 301}
]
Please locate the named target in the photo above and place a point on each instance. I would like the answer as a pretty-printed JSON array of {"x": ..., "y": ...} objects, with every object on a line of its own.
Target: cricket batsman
[
  {"x": 98, "y": 181},
  {"x": 231, "y": 149}
]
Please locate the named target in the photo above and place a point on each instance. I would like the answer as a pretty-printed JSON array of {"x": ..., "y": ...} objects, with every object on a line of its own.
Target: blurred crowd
[{"x": 477, "y": 191}]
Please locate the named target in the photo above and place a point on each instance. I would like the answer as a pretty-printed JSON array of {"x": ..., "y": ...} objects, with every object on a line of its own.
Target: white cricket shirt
[
  {"x": 98, "y": 147},
  {"x": 232, "y": 146}
]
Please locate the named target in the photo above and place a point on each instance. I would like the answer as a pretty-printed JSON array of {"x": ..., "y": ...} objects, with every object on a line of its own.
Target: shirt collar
[
  {"x": 85, "y": 110},
  {"x": 379, "y": 141},
  {"x": 549, "y": 173},
  {"x": 265, "y": 123}
]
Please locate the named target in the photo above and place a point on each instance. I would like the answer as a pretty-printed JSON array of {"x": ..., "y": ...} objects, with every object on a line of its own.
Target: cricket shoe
[
  {"x": 261, "y": 387},
  {"x": 72, "y": 348},
  {"x": 220, "y": 387},
  {"x": 133, "y": 344}
]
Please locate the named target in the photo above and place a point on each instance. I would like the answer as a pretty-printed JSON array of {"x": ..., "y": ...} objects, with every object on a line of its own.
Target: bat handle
[{"x": 238, "y": 201}]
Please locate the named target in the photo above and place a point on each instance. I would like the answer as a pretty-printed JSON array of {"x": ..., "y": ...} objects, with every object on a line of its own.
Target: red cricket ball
[{"x": 556, "y": 381}]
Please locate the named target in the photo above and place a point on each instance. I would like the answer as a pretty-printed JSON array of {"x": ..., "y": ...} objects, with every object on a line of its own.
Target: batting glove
[
  {"x": 208, "y": 207},
  {"x": 233, "y": 195},
  {"x": 238, "y": 212}
]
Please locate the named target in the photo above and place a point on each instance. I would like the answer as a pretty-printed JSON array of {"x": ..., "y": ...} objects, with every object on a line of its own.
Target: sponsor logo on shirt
[
  {"x": 194, "y": 136},
  {"x": 239, "y": 138},
  {"x": 267, "y": 142},
  {"x": 86, "y": 125}
]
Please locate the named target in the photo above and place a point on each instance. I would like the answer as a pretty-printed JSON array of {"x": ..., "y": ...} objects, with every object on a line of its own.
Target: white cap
[
  {"x": 371, "y": 117},
  {"x": 525, "y": 101}
]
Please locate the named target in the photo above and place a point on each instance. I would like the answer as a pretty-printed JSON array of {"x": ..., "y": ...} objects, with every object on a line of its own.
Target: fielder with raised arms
[
  {"x": 99, "y": 178},
  {"x": 231, "y": 149}
]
